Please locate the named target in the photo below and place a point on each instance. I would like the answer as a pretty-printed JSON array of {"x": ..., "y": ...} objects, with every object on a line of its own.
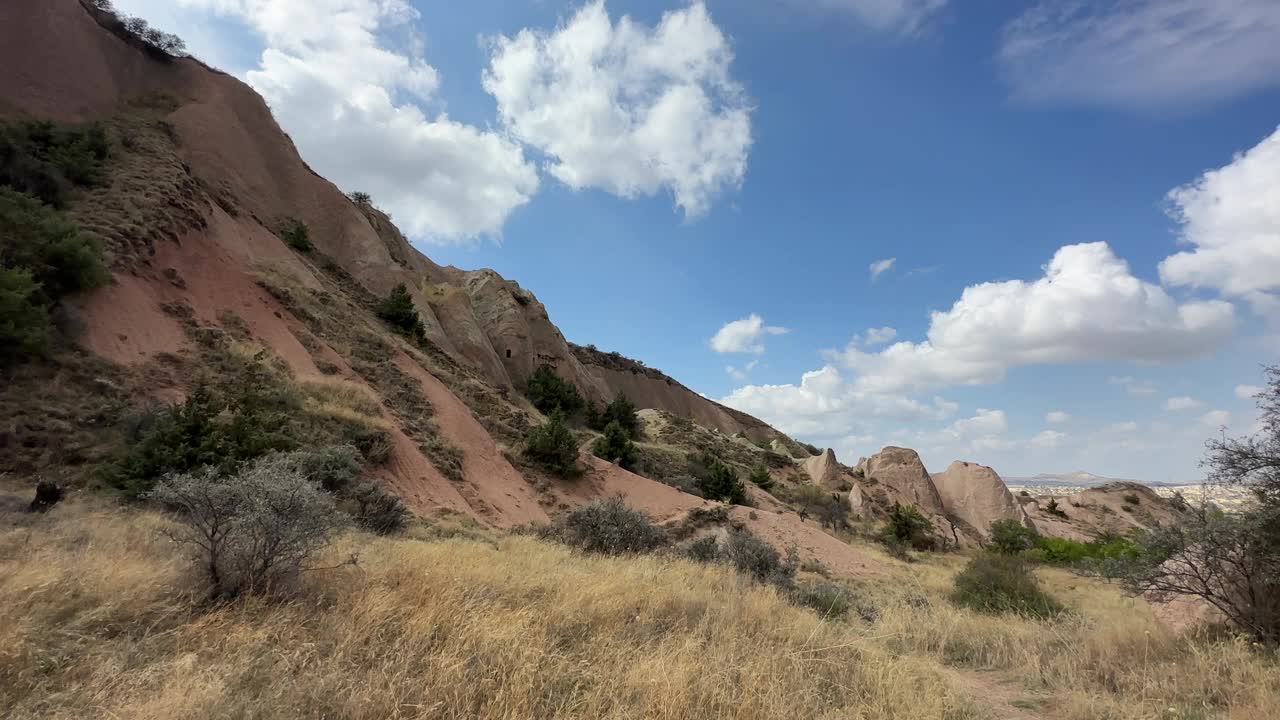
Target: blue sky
[{"x": 707, "y": 186}]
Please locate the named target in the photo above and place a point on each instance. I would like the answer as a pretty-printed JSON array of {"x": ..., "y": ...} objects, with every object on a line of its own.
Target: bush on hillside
[
  {"x": 906, "y": 526},
  {"x": 253, "y": 531},
  {"x": 551, "y": 393},
  {"x": 615, "y": 446},
  {"x": 333, "y": 468},
  {"x": 722, "y": 483},
  {"x": 761, "y": 478},
  {"x": 223, "y": 427},
  {"x": 378, "y": 510},
  {"x": 828, "y": 599},
  {"x": 360, "y": 198},
  {"x": 994, "y": 583},
  {"x": 158, "y": 43},
  {"x": 608, "y": 527},
  {"x": 758, "y": 559},
  {"x": 553, "y": 446},
  {"x": 297, "y": 235},
  {"x": 1053, "y": 509},
  {"x": 620, "y": 410},
  {"x": 398, "y": 311},
  {"x": 1011, "y": 537},
  {"x": 47, "y": 161},
  {"x": 25, "y": 325}
]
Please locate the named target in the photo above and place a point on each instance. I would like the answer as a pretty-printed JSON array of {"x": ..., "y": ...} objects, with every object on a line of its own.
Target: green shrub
[
  {"x": 297, "y": 236},
  {"x": 553, "y": 446},
  {"x": 223, "y": 427},
  {"x": 907, "y": 526},
  {"x": 761, "y": 478},
  {"x": 252, "y": 531},
  {"x": 609, "y": 527},
  {"x": 758, "y": 559},
  {"x": 1053, "y": 509},
  {"x": 1132, "y": 499},
  {"x": 704, "y": 549},
  {"x": 1012, "y": 537},
  {"x": 993, "y": 583},
  {"x": 721, "y": 483},
  {"x": 620, "y": 410},
  {"x": 46, "y": 161},
  {"x": 398, "y": 311},
  {"x": 827, "y": 598},
  {"x": 334, "y": 468},
  {"x": 1063, "y": 551},
  {"x": 25, "y": 326},
  {"x": 551, "y": 393},
  {"x": 378, "y": 510},
  {"x": 615, "y": 446}
]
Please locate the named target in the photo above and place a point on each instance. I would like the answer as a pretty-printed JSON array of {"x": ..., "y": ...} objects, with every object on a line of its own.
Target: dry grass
[
  {"x": 91, "y": 626},
  {"x": 334, "y": 392},
  {"x": 454, "y": 621},
  {"x": 1109, "y": 658}
]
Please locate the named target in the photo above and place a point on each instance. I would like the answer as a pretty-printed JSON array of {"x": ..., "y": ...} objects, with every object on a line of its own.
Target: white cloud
[
  {"x": 1216, "y": 418},
  {"x": 1048, "y": 439},
  {"x": 1247, "y": 392},
  {"x": 1231, "y": 217},
  {"x": 1057, "y": 417},
  {"x": 741, "y": 374},
  {"x": 877, "y": 336},
  {"x": 1181, "y": 403},
  {"x": 900, "y": 16},
  {"x": 825, "y": 404},
  {"x": 1142, "y": 52},
  {"x": 1133, "y": 386},
  {"x": 880, "y": 267},
  {"x": 744, "y": 335},
  {"x": 626, "y": 108},
  {"x": 1088, "y": 306},
  {"x": 351, "y": 101},
  {"x": 1122, "y": 427}
]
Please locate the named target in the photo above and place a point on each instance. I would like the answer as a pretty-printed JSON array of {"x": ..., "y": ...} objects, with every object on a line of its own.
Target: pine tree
[
  {"x": 398, "y": 311},
  {"x": 616, "y": 446}
]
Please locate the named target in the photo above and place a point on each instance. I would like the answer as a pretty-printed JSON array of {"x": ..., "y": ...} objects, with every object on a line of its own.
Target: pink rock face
[
  {"x": 897, "y": 475},
  {"x": 975, "y": 495},
  {"x": 824, "y": 470}
]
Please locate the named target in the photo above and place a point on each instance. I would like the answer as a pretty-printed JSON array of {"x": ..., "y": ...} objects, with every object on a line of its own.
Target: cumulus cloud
[
  {"x": 1142, "y": 52},
  {"x": 825, "y": 403},
  {"x": 744, "y": 336},
  {"x": 880, "y": 267},
  {"x": 1231, "y": 218},
  {"x": 1122, "y": 427},
  {"x": 1048, "y": 439},
  {"x": 741, "y": 374},
  {"x": 1247, "y": 392},
  {"x": 898, "y": 16},
  {"x": 1181, "y": 403},
  {"x": 876, "y": 336},
  {"x": 625, "y": 108},
  {"x": 352, "y": 102},
  {"x": 1134, "y": 386},
  {"x": 1087, "y": 306},
  {"x": 1057, "y": 417},
  {"x": 1216, "y": 418}
]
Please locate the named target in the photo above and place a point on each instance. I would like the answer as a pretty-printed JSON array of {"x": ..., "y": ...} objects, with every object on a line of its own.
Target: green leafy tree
[
  {"x": 398, "y": 311},
  {"x": 722, "y": 483},
  {"x": 551, "y": 393},
  {"x": 994, "y": 583},
  {"x": 553, "y": 446},
  {"x": 1011, "y": 537},
  {"x": 616, "y": 446},
  {"x": 760, "y": 477},
  {"x": 907, "y": 526},
  {"x": 25, "y": 327},
  {"x": 622, "y": 411}
]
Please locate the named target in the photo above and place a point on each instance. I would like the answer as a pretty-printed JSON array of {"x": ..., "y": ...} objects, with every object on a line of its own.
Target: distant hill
[{"x": 1081, "y": 478}]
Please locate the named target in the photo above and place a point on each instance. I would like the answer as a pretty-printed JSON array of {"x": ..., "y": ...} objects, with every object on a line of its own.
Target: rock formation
[
  {"x": 975, "y": 495},
  {"x": 824, "y": 471}
]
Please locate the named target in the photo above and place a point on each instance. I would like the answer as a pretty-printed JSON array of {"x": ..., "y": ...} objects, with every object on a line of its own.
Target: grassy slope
[{"x": 94, "y": 623}]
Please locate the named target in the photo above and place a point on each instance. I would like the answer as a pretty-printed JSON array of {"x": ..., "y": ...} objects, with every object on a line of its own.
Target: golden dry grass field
[{"x": 98, "y": 619}]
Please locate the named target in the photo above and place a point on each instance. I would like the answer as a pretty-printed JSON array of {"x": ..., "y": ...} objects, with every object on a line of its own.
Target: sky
[{"x": 1042, "y": 236}]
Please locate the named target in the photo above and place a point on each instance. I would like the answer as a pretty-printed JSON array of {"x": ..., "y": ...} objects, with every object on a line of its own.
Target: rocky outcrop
[
  {"x": 1115, "y": 508},
  {"x": 976, "y": 496},
  {"x": 896, "y": 475},
  {"x": 824, "y": 471}
]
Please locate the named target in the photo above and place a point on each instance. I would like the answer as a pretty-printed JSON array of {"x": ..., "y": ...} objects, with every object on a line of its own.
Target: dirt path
[{"x": 1004, "y": 696}]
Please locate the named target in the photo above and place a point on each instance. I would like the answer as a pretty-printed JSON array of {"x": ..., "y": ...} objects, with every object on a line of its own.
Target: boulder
[
  {"x": 824, "y": 471},
  {"x": 904, "y": 479},
  {"x": 975, "y": 494}
]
